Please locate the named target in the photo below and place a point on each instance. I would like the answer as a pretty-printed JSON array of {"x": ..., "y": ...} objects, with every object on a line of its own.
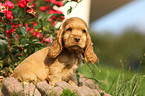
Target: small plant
[{"x": 67, "y": 92}]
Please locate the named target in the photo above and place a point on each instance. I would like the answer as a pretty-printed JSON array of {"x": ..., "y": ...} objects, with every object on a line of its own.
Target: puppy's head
[{"x": 74, "y": 36}]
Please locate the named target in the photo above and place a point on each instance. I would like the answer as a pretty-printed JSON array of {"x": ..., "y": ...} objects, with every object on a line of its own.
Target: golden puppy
[{"x": 59, "y": 61}]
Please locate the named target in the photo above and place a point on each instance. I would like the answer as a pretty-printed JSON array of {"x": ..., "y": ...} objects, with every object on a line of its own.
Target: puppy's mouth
[{"x": 75, "y": 47}]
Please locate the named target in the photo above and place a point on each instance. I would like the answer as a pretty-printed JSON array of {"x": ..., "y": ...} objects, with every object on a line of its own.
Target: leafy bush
[{"x": 25, "y": 27}]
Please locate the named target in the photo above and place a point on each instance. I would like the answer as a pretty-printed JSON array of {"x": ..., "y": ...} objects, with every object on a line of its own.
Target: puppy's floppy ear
[
  {"x": 56, "y": 48},
  {"x": 89, "y": 54}
]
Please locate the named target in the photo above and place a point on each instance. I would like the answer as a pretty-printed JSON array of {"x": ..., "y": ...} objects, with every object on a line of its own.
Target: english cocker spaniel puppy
[{"x": 59, "y": 62}]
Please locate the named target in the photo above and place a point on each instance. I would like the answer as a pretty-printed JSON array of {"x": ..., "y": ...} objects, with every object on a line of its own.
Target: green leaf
[
  {"x": 38, "y": 26},
  {"x": 46, "y": 25},
  {"x": 3, "y": 49},
  {"x": 8, "y": 27},
  {"x": 16, "y": 20},
  {"x": 4, "y": 18},
  {"x": 1, "y": 24},
  {"x": 65, "y": 3},
  {"x": 1, "y": 14},
  {"x": 69, "y": 10},
  {"x": 48, "y": 16},
  {"x": 67, "y": 92},
  {"x": 23, "y": 30},
  {"x": 2, "y": 36}
]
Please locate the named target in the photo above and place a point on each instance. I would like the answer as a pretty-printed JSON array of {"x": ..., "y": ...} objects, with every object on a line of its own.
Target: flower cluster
[
  {"x": 51, "y": 10},
  {"x": 37, "y": 33},
  {"x": 13, "y": 29},
  {"x": 5, "y": 9},
  {"x": 22, "y": 3},
  {"x": 29, "y": 8}
]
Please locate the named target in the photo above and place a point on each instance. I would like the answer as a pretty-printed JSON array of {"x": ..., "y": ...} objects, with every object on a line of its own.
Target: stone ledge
[{"x": 12, "y": 87}]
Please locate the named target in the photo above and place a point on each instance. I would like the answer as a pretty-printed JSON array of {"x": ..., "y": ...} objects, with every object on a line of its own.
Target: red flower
[
  {"x": 52, "y": 23},
  {"x": 3, "y": 8},
  {"x": 31, "y": 12},
  {"x": 22, "y": 3},
  {"x": 31, "y": 30},
  {"x": 27, "y": 27},
  {"x": 0, "y": 19},
  {"x": 21, "y": 49},
  {"x": 31, "y": 6},
  {"x": 58, "y": 3},
  {"x": 55, "y": 12},
  {"x": 21, "y": 54},
  {"x": 9, "y": 42},
  {"x": 52, "y": 1},
  {"x": 34, "y": 23},
  {"x": 62, "y": 17},
  {"x": 17, "y": 36},
  {"x": 9, "y": 15},
  {"x": 10, "y": 31},
  {"x": 27, "y": 1},
  {"x": 44, "y": 8},
  {"x": 37, "y": 34},
  {"x": 15, "y": 25},
  {"x": 9, "y": 5},
  {"x": 46, "y": 40},
  {"x": 52, "y": 18}
]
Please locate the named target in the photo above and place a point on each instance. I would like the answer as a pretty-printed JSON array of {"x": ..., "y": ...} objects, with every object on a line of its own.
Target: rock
[
  {"x": 86, "y": 91},
  {"x": 58, "y": 90},
  {"x": 11, "y": 87},
  {"x": 81, "y": 91},
  {"x": 31, "y": 90},
  {"x": 89, "y": 83},
  {"x": 43, "y": 87},
  {"x": 55, "y": 91}
]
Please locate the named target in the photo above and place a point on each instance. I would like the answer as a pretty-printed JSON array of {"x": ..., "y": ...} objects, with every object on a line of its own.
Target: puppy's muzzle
[{"x": 76, "y": 39}]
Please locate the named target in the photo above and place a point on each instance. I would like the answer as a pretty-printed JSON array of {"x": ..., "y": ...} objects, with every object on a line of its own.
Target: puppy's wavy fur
[{"x": 59, "y": 62}]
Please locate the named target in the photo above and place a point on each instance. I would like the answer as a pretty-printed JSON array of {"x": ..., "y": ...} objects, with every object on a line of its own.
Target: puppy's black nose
[{"x": 77, "y": 39}]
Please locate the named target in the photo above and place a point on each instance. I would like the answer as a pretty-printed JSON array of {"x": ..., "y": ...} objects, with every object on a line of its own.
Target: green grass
[{"x": 115, "y": 82}]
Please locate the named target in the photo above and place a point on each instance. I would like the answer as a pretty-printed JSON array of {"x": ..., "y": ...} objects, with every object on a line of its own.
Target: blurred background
[
  {"x": 118, "y": 33},
  {"x": 117, "y": 29}
]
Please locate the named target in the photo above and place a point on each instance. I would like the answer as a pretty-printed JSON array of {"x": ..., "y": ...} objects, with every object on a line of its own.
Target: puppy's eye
[
  {"x": 69, "y": 29},
  {"x": 84, "y": 31}
]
